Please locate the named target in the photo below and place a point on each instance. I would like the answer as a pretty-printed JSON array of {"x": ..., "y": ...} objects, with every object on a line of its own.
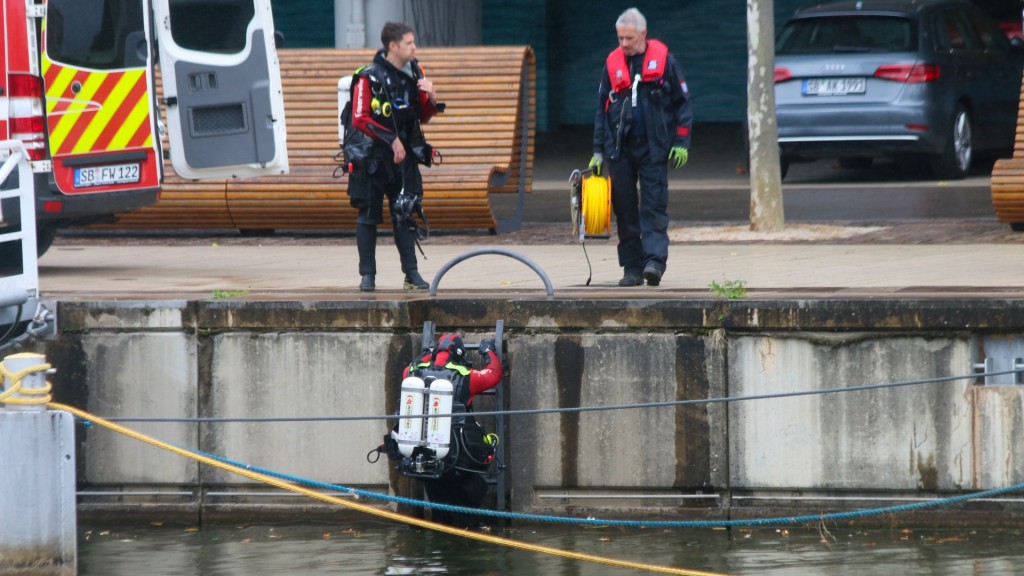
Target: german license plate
[
  {"x": 106, "y": 175},
  {"x": 834, "y": 86}
]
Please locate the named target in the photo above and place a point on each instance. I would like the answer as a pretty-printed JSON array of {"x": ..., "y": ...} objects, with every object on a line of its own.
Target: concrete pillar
[
  {"x": 350, "y": 24},
  {"x": 380, "y": 12},
  {"x": 357, "y": 23},
  {"x": 38, "y": 529}
]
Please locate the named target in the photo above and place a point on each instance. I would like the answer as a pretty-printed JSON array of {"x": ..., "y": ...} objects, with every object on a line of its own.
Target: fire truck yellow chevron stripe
[
  {"x": 56, "y": 88},
  {"x": 83, "y": 101},
  {"x": 135, "y": 118},
  {"x": 108, "y": 106},
  {"x": 114, "y": 103}
]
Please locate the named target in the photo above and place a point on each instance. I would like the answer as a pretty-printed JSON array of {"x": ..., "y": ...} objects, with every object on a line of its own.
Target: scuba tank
[
  {"x": 439, "y": 427},
  {"x": 344, "y": 95},
  {"x": 409, "y": 432}
]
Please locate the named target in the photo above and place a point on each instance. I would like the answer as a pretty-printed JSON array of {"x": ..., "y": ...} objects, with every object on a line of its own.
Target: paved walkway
[{"x": 323, "y": 269}]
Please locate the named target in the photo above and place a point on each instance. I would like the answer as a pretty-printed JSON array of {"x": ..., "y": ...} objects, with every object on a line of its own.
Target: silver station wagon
[{"x": 933, "y": 79}]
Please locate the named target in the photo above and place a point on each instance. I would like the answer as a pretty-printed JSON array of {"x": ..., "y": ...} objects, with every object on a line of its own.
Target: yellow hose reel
[{"x": 591, "y": 205}]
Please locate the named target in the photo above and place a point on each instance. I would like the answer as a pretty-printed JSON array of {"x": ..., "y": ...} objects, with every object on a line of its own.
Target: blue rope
[{"x": 776, "y": 521}]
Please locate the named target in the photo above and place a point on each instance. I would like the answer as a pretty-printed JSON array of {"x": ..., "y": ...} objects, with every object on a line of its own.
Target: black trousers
[
  {"x": 458, "y": 489},
  {"x": 387, "y": 181},
  {"x": 641, "y": 216}
]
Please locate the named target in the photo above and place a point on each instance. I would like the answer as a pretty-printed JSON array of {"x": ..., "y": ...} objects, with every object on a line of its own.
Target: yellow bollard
[{"x": 25, "y": 385}]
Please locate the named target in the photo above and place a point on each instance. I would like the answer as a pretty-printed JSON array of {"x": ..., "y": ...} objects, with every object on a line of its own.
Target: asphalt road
[
  {"x": 715, "y": 187},
  {"x": 848, "y": 202}
]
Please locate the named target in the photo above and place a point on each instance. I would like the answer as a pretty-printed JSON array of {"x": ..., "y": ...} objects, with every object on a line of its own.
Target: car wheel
[
  {"x": 45, "y": 235},
  {"x": 856, "y": 163},
  {"x": 955, "y": 160},
  {"x": 783, "y": 167},
  {"x": 1017, "y": 226}
]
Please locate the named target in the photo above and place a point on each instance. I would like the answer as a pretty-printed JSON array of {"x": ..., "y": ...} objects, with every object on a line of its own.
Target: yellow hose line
[
  {"x": 597, "y": 200},
  {"x": 377, "y": 511},
  {"x": 36, "y": 396}
]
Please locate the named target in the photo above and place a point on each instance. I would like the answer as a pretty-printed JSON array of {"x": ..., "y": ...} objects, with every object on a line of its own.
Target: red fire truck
[{"x": 77, "y": 87}]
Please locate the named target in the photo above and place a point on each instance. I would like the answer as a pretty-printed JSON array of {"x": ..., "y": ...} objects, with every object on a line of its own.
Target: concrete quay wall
[{"x": 808, "y": 454}]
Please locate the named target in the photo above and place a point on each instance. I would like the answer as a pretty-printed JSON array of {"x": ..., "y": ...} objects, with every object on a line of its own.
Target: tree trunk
[{"x": 766, "y": 210}]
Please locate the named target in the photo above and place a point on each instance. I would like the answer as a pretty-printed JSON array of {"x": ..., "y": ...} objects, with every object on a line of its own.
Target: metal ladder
[{"x": 497, "y": 477}]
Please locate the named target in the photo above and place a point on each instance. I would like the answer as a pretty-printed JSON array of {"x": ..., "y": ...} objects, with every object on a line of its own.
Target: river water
[{"x": 373, "y": 548}]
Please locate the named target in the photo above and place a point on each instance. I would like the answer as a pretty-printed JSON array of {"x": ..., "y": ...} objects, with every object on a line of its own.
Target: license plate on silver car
[
  {"x": 834, "y": 86},
  {"x": 106, "y": 175}
]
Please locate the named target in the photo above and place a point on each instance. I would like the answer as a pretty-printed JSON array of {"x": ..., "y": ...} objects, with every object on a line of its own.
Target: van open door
[
  {"x": 97, "y": 83},
  {"x": 222, "y": 87}
]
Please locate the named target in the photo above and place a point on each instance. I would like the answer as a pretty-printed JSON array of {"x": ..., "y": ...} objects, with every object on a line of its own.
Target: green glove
[
  {"x": 596, "y": 162},
  {"x": 678, "y": 156}
]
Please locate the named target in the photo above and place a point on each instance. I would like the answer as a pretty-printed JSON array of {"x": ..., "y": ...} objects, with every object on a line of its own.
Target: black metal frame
[{"x": 497, "y": 477}]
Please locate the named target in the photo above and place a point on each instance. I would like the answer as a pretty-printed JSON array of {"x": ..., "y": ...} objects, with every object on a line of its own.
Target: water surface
[{"x": 373, "y": 548}]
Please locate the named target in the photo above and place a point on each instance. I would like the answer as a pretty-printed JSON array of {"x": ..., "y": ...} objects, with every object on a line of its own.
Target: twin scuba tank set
[
  {"x": 424, "y": 443},
  {"x": 440, "y": 436}
]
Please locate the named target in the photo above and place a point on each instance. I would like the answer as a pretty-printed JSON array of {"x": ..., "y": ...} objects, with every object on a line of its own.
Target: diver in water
[{"x": 450, "y": 463}]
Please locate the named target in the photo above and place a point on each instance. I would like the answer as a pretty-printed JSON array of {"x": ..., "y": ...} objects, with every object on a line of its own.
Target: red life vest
[{"x": 654, "y": 66}]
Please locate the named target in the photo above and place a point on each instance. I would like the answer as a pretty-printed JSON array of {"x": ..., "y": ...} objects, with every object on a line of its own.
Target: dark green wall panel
[
  {"x": 707, "y": 38},
  {"x": 305, "y": 23},
  {"x": 523, "y": 22},
  {"x": 572, "y": 37}
]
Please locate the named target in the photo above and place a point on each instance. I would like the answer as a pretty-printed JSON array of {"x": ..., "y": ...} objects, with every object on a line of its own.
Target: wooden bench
[
  {"x": 486, "y": 137},
  {"x": 1008, "y": 179}
]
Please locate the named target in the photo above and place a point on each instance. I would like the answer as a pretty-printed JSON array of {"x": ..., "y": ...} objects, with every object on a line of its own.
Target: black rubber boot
[
  {"x": 367, "y": 284},
  {"x": 366, "y": 242},
  {"x": 413, "y": 281},
  {"x": 406, "y": 245},
  {"x": 653, "y": 275}
]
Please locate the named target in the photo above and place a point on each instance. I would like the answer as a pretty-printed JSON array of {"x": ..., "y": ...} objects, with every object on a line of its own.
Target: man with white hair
[{"x": 643, "y": 122}]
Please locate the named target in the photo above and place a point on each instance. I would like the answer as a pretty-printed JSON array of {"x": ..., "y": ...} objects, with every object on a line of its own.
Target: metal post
[{"x": 37, "y": 448}]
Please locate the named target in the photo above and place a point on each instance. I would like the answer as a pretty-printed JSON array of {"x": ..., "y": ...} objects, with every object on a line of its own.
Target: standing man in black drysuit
[
  {"x": 390, "y": 99},
  {"x": 643, "y": 122}
]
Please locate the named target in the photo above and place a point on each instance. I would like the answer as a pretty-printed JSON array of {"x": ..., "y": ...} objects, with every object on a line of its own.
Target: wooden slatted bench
[
  {"x": 1008, "y": 179},
  {"x": 486, "y": 136}
]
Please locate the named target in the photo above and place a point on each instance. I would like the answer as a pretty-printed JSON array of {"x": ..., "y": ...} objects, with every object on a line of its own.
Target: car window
[
  {"x": 988, "y": 33},
  {"x": 99, "y": 35},
  {"x": 830, "y": 34},
  {"x": 953, "y": 33},
  {"x": 211, "y": 25}
]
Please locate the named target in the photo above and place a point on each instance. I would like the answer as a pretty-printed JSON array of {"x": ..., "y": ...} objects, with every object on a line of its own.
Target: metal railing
[{"x": 22, "y": 316}]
